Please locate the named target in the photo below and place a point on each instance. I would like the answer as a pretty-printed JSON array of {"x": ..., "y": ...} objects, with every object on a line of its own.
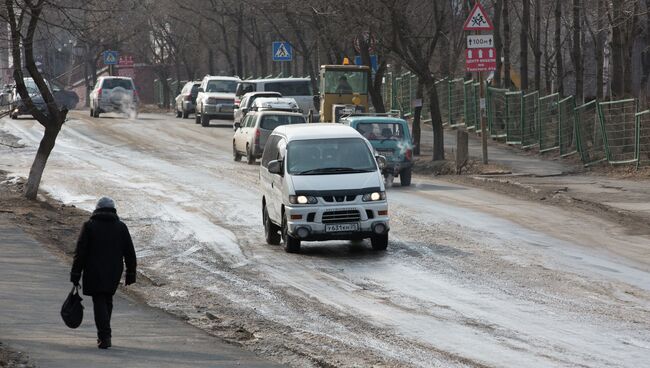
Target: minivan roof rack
[{"x": 390, "y": 114}]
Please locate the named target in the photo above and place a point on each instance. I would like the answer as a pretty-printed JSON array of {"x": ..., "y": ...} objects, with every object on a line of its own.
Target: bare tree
[
  {"x": 414, "y": 43},
  {"x": 576, "y": 54},
  {"x": 23, "y": 18},
  {"x": 523, "y": 44}
]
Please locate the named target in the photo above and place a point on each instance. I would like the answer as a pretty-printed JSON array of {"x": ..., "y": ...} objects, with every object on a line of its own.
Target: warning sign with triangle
[
  {"x": 110, "y": 57},
  {"x": 282, "y": 51},
  {"x": 478, "y": 20}
]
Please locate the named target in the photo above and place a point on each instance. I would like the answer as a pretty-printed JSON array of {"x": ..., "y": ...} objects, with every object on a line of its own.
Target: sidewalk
[
  {"x": 518, "y": 163},
  {"x": 558, "y": 178},
  {"x": 34, "y": 283}
]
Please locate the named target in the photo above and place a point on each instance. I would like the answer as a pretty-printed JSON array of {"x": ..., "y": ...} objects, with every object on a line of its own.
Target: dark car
[
  {"x": 186, "y": 100},
  {"x": 391, "y": 138}
]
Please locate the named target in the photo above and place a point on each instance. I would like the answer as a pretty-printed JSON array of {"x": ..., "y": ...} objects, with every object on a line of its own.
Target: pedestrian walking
[{"x": 104, "y": 246}]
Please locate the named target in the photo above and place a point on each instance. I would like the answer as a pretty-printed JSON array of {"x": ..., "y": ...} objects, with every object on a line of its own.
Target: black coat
[{"x": 104, "y": 246}]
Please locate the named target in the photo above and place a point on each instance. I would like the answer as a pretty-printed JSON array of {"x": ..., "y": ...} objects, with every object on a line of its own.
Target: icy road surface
[{"x": 470, "y": 278}]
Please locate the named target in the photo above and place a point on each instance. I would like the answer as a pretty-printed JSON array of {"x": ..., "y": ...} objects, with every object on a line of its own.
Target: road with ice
[{"x": 470, "y": 278}]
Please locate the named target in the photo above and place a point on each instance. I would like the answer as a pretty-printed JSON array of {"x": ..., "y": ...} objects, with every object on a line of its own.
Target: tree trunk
[
  {"x": 645, "y": 65},
  {"x": 417, "y": 117},
  {"x": 631, "y": 32},
  {"x": 559, "y": 66},
  {"x": 498, "y": 45},
  {"x": 577, "y": 53},
  {"x": 523, "y": 44},
  {"x": 436, "y": 120},
  {"x": 506, "y": 46},
  {"x": 538, "y": 45},
  {"x": 42, "y": 155},
  {"x": 617, "y": 82},
  {"x": 210, "y": 62},
  {"x": 599, "y": 44}
]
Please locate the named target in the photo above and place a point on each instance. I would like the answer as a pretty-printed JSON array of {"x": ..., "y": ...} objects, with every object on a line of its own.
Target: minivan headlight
[
  {"x": 374, "y": 196},
  {"x": 301, "y": 199}
]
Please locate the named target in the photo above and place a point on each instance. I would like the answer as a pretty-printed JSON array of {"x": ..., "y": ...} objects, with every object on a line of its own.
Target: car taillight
[
  {"x": 237, "y": 101},
  {"x": 257, "y": 137},
  {"x": 408, "y": 154},
  {"x": 99, "y": 92},
  {"x": 188, "y": 98}
]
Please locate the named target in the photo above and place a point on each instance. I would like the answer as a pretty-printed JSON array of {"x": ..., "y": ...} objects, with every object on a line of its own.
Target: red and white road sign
[
  {"x": 478, "y": 20},
  {"x": 481, "y": 60}
]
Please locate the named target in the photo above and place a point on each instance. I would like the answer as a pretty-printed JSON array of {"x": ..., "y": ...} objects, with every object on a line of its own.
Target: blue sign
[
  {"x": 282, "y": 51},
  {"x": 110, "y": 57},
  {"x": 373, "y": 62}
]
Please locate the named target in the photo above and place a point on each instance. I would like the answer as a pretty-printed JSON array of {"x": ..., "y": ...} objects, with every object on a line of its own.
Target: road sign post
[{"x": 480, "y": 56}]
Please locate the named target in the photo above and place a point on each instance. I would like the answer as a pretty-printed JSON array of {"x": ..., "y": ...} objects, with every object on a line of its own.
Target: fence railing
[{"x": 611, "y": 131}]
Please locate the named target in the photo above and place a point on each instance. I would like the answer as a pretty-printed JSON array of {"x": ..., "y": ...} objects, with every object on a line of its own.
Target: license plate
[
  {"x": 386, "y": 153},
  {"x": 225, "y": 109},
  {"x": 336, "y": 228}
]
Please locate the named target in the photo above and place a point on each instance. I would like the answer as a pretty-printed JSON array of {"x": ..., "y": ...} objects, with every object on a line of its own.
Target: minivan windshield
[
  {"x": 381, "y": 131},
  {"x": 329, "y": 156},
  {"x": 290, "y": 88},
  {"x": 226, "y": 86}
]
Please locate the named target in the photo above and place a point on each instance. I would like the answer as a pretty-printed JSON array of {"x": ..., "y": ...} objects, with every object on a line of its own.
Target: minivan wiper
[{"x": 333, "y": 170}]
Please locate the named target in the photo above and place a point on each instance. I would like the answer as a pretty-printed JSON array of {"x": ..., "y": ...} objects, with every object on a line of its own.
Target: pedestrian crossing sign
[
  {"x": 110, "y": 57},
  {"x": 282, "y": 51}
]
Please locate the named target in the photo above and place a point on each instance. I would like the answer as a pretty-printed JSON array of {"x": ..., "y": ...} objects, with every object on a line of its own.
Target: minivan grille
[
  {"x": 348, "y": 198},
  {"x": 332, "y": 217}
]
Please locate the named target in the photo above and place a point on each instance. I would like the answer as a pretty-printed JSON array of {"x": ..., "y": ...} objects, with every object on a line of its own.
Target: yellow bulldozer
[{"x": 343, "y": 91}]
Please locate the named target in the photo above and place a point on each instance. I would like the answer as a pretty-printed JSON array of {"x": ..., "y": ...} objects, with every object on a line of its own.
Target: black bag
[{"x": 72, "y": 311}]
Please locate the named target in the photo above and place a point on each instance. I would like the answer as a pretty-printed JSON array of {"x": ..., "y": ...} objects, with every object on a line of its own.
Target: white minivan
[
  {"x": 322, "y": 182},
  {"x": 297, "y": 88}
]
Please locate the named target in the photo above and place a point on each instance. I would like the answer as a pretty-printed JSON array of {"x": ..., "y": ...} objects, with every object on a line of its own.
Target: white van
[
  {"x": 322, "y": 182},
  {"x": 297, "y": 88}
]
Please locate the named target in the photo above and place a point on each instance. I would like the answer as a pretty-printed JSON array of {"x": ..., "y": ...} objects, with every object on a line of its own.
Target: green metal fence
[
  {"x": 530, "y": 121},
  {"x": 456, "y": 103},
  {"x": 471, "y": 107},
  {"x": 610, "y": 131},
  {"x": 643, "y": 138},
  {"x": 514, "y": 116},
  {"x": 619, "y": 126},
  {"x": 549, "y": 123},
  {"x": 589, "y": 133},
  {"x": 496, "y": 105},
  {"x": 566, "y": 128}
]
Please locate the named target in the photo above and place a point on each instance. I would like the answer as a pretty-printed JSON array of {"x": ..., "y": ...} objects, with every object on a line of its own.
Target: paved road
[
  {"x": 33, "y": 284},
  {"x": 471, "y": 278}
]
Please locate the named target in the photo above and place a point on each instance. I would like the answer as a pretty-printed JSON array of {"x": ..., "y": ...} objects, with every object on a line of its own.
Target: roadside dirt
[{"x": 10, "y": 358}]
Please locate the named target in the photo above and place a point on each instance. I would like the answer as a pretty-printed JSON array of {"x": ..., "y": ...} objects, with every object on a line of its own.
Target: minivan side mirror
[
  {"x": 200, "y": 89},
  {"x": 275, "y": 167},
  {"x": 381, "y": 161},
  {"x": 237, "y": 125}
]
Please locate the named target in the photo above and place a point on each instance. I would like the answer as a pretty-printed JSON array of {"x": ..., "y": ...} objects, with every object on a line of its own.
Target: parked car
[
  {"x": 251, "y": 135},
  {"x": 243, "y": 107},
  {"x": 390, "y": 137},
  {"x": 297, "y": 88},
  {"x": 215, "y": 99},
  {"x": 19, "y": 108},
  {"x": 275, "y": 103},
  {"x": 114, "y": 94},
  {"x": 322, "y": 182},
  {"x": 186, "y": 100}
]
